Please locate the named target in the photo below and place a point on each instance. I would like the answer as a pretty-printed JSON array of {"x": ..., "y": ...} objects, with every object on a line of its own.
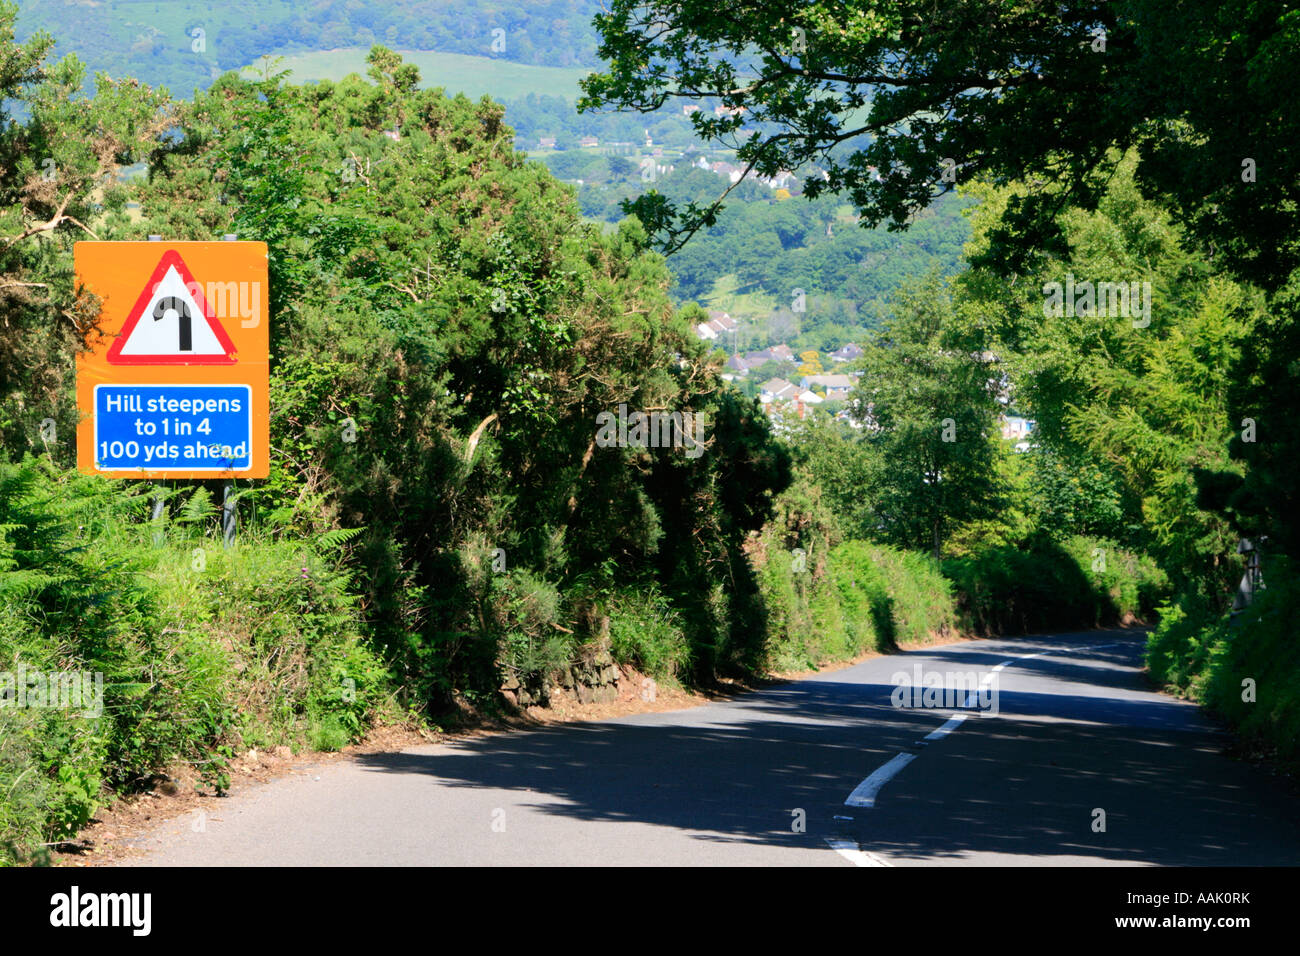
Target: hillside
[
  {"x": 473, "y": 75},
  {"x": 186, "y": 44}
]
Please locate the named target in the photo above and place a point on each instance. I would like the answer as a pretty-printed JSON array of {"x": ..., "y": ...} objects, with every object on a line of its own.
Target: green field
[
  {"x": 729, "y": 296},
  {"x": 454, "y": 72}
]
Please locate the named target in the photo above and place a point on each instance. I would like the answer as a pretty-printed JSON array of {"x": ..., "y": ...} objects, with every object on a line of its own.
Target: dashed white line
[
  {"x": 949, "y": 725},
  {"x": 855, "y": 854},
  {"x": 864, "y": 795}
]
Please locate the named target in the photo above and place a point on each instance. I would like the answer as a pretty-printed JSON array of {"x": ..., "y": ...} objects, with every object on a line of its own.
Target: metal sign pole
[
  {"x": 157, "y": 516},
  {"x": 228, "y": 515}
]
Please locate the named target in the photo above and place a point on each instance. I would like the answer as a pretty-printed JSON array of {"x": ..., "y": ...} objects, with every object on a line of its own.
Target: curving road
[{"x": 1076, "y": 732}]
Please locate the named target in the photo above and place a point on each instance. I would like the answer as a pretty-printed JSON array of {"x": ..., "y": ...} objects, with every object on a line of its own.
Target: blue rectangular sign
[{"x": 181, "y": 427}]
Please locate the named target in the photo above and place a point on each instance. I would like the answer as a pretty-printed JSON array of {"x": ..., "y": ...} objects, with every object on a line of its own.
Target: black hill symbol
[{"x": 181, "y": 308}]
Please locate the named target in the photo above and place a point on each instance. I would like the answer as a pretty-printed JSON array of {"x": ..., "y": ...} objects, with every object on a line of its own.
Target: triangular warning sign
[{"x": 172, "y": 323}]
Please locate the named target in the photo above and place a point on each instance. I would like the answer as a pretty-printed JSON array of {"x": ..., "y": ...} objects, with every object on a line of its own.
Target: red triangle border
[{"x": 171, "y": 258}]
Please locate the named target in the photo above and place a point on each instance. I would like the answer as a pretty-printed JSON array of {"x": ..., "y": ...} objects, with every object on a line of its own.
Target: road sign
[
  {"x": 174, "y": 380},
  {"x": 177, "y": 328}
]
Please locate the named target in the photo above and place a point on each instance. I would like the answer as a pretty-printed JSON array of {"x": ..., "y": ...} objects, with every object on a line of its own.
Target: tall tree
[
  {"x": 446, "y": 296},
  {"x": 896, "y": 103},
  {"x": 929, "y": 401},
  {"x": 60, "y": 156}
]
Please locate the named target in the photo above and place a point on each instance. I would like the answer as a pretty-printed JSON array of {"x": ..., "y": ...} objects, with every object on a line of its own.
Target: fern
[
  {"x": 334, "y": 539},
  {"x": 27, "y": 583},
  {"x": 198, "y": 508}
]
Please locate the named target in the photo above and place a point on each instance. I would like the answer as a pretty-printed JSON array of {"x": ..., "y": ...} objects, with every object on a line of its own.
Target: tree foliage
[{"x": 446, "y": 297}]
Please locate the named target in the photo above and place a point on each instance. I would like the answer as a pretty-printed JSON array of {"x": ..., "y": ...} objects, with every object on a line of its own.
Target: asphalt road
[{"x": 1076, "y": 731}]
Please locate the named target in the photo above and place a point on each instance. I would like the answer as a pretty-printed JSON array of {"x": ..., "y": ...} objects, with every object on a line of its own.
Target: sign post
[
  {"x": 229, "y": 518},
  {"x": 174, "y": 381}
]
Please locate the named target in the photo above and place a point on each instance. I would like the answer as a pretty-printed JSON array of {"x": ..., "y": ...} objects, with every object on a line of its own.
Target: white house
[
  {"x": 836, "y": 387},
  {"x": 1016, "y": 428},
  {"x": 778, "y": 390},
  {"x": 719, "y": 324}
]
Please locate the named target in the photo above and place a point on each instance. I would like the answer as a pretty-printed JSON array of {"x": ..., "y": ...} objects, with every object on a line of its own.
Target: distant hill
[
  {"x": 185, "y": 44},
  {"x": 454, "y": 72}
]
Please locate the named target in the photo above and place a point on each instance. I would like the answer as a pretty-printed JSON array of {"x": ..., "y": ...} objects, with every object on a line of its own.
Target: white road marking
[
  {"x": 951, "y": 724},
  {"x": 864, "y": 795},
  {"x": 855, "y": 854}
]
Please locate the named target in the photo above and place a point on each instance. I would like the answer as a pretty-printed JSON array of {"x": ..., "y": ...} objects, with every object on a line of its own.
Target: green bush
[
  {"x": 200, "y": 650},
  {"x": 1124, "y": 583},
  {"x": 1081, "y": 583},
  {"x": 1178, "y": 649},
  {"x": 280, "y": 614},
  {"x": 1223, "y": 663},
  {"x": 861, "y": 597},
  {"x": 78, "y": 587},
  {"x": 24, "y": 811},
  {"x": 645, "y": 631},
  {"x": 532, "y": 646},
  {"x": 789, "y": 622},
  {"x": 919, "y": 600}
]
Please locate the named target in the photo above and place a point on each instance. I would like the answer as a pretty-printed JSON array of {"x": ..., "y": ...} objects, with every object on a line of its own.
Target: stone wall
[{"x": 592, "y": 678}]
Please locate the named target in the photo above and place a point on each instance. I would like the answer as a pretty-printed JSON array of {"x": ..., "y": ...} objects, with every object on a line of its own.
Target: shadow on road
[{"x": 1027, "y": 782}]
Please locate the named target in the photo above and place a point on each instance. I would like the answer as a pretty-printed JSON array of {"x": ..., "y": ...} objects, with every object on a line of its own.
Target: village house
[
  {"x": 777, "y": 353},
  {"x": 1016, "y": 428},
  {"x": 777, "y": 391},
  {"x": 836, "y": 387},
  {"x": 726, "y": 169},
  {"x": 719, "y": 324},
  {"x": 741, "y": 364},
  {"x": 780, "y": 415},
  {"x": 781, "y": 399}
]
